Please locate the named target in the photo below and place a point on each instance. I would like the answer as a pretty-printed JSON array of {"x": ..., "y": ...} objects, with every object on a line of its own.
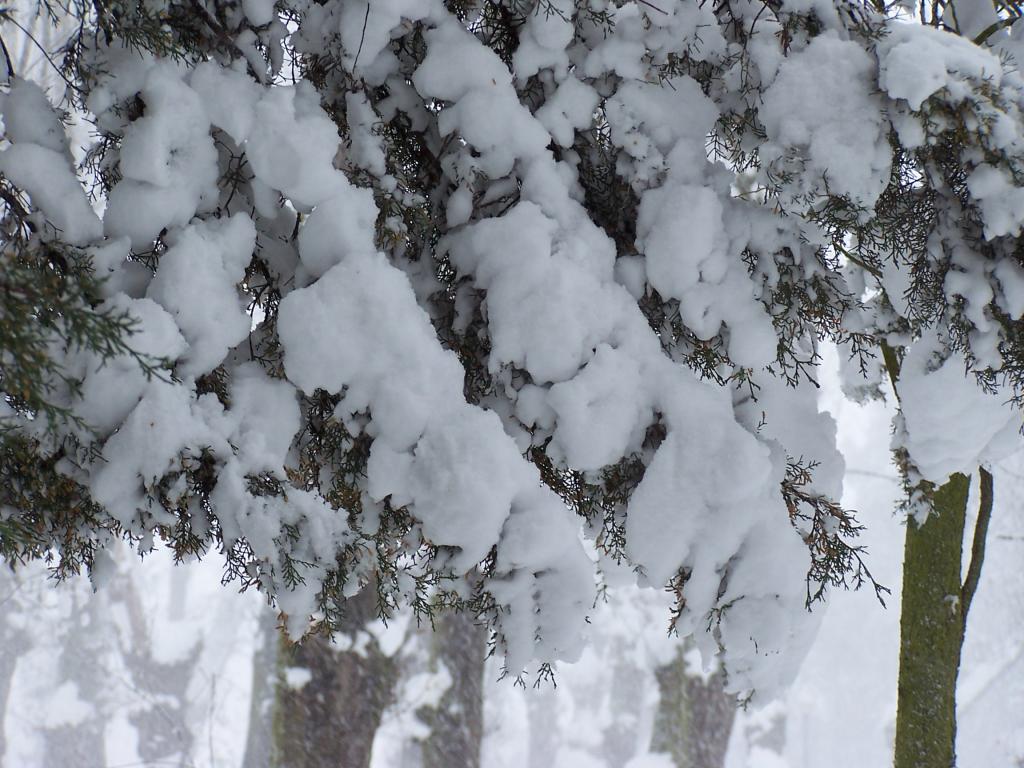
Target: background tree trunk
[
  {"x": 259, "y": 741},
  {"x": 13, "y": 641},
  {"x": 694, "y": 717},
  {"x": 622, "y": 739},
  {"x": 931, "y": 632},
  {"x": 543, "y": 724},
  {"x": 330, "y": 721},
  {"x": 456, "y": 724}
]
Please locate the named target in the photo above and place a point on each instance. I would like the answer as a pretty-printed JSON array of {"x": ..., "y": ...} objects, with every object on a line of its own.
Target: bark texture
[
  {"x": 330, "y": 721},
  {"x": 456, "y": 724},
  {"x": 259, "y": 741},
  {"x": 931, "y": 632},
  {"x": 694, "y": 718}
]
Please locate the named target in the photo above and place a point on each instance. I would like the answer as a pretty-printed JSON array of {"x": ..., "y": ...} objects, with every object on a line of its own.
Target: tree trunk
[
  {"x": 259, "y": 741},
  {"x": 931, "y": 632},
  {"x": 83, "y": 662},
  {"x": 694, "y": 717},
  {"x": 13, "y": 640},
  {"x": 622, "y": 739},
  {"x": 330, "y": 720},
  {"x": 456, "y": 724},
  {"x": 543, "y": 724}
]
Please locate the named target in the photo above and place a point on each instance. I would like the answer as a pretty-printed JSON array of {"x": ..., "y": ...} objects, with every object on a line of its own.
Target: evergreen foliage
[{"x": 824, "y": 274}]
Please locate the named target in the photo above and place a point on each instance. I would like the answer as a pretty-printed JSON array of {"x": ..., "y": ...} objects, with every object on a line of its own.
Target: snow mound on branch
[
  {"x": 111, "y": 389},
  {"x": 821, "y": 106},
  {"x": 197, "y": 283},
  {"x": 29, "y": 118},
  {"x": 917, "y": 61},
  {"x": 38, "y": 162},
  {"x": 53, "y": 187},
  {"x": 168, "y": 161},
  {"x": 451, "y": 463},
  {"x": 934, "y": 398}
]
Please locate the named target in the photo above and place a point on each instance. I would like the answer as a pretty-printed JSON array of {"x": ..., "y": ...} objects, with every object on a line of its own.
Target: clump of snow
[
  {"x": 916, "y": 61},
  {"x": 296, "y": 678},
  {"x": 340, "y": 225},
  {"x": 821, "y": 107},
  {"x": 110, "y": 389},
  {"x": 46, "y": 176},
  {"x": 197, "y": 283},
  {"x": 952, "y": 425},
  {"x": 38, "y": 161},
  {"x": 168, "y": 161},
  {"x": 1000, "y": 199},
  {"x": 29, "y": 118},
  {"x": 292, "y": 144}
]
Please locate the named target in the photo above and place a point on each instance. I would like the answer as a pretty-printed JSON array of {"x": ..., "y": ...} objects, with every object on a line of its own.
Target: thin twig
[
  {"x": 362, "y": 38},
  {"x": 7, "y": 58},
  {"x": 652, "y": 5},
  {"x": 978, "y": 545},
  {"x": 43, "y": 51}
]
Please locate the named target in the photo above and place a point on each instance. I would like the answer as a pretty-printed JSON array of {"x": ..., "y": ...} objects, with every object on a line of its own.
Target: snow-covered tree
[{"x": 413, "y": 293}]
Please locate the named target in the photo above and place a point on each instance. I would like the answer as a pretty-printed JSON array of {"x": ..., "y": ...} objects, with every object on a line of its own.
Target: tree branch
[
  {"x": 978, "y": 545},
  {"x": 892, "y": 365},
  {"x": 7, "y": 59}
]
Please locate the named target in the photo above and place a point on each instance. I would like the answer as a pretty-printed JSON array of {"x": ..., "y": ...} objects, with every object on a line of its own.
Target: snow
[
  {"x": 597, "y": 414},
  {"x": 259, "y": 12},
  {"x": 338, "y": 226},
  {"x": 111, "y": 389},
  {"x": 461, "y": 481},
  {"x": 531, "y": 288},
  {"x": 1001, "y": 201},
  {"x": 229, "y": 97},
  {"x": 543, "y": 40},
  {"x": 486, "y": 111},
  {"x": 196, "y": 283},
  {"x": 679, "y": 230},
  {"x": 268, "y": 418},
  {"x": 651, "y": 120},
  {"x": 570, "y": 108},
  {"x": 297, "y": 677},
  {"x": 29, "y": 117},
  {"x": 936, "y": 394},
  {"x": 292, "y": 143},
  {"x": 576, "y": 368},
  {"x": 917, "y": 61},
  {"x": 452, "y": 463},
  {"x": 386, "y": 332},
  {"x": 168, "y": 161},
  {"x": 821, "y": 107},
  {"x": 47, "y": 177},
  {"x": 167, "y": 420}
]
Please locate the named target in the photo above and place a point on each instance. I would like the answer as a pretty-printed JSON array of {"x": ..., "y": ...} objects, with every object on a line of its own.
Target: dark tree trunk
[
  {"x": 456, "y": 724},
  {"x": 694, "y": 718},
  {"x": 931, "y": 632},
  {"x": 330, "y": 721},
  {"x": 259, "y": 741}
]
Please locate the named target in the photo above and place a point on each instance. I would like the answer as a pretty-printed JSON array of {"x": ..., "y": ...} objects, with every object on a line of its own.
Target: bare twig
[
  {"x": 652, "y": 5},
  {"x": 362, "y": 37},
  {"x": 45, "y": 53}
]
